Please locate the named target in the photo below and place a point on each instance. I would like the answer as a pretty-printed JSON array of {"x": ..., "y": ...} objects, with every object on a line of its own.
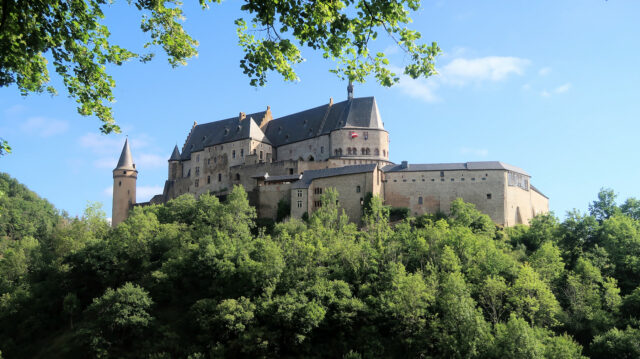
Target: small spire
[
  {"x": 350, "y": 90},
  {"x": 126, "y": 161},
  {"x": 175, "y": 156}
]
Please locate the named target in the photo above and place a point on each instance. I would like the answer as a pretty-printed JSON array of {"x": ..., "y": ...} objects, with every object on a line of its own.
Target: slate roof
[
  {"x": 281, "y": 178},
  {"x": 175, "y": 156},
  {"x": 309, "y": 176},
  {"x": 473, "y": 166},
  {"x": 126, "y": 161},
  {"x": 359, "y": 112},
  {"x": 223, "y": 131},
  {"x": 355, "y": 113}
]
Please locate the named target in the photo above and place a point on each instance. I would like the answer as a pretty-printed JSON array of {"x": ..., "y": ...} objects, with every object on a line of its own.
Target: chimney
[
  {"x": 404, "y": 164},
  {"x": 241, "y": 116}
]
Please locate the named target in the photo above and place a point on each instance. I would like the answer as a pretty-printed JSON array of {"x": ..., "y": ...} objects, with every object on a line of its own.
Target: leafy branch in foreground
[{"x": 72, "y": 35}]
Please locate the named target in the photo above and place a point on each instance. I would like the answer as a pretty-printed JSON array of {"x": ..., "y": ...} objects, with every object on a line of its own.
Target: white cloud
[
  {"x": 15, "y": 110},
  {"x": 563, "y": 88},
  {"x": 558, "y": 90},
  {"x": 461, "y": 72},
  {"x": 479, "y": 152},
  {"x": 108, "y": 148},
  {"x": 544, "y": 71},
  {"x": 143, "y": 193},
  {"x": 44, "y": 127}
]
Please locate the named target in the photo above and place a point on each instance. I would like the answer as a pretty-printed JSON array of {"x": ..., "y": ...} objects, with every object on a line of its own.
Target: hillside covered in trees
[{"x": 199, "y": 279}]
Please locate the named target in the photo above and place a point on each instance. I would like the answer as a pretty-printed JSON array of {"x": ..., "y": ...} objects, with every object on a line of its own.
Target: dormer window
[
  {"x": 226, "y": 131},
  {"x": 238, "y": 128}
]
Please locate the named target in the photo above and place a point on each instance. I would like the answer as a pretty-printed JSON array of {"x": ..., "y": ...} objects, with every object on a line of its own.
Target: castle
[{"x": 339, "y": 145}]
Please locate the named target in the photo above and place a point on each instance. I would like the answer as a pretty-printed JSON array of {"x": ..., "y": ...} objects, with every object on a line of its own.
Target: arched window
[
  {"x": 335, "y": 152},
  {"x": 349, "y": 150},
  {"x": 376, "y": 152},
  {"x": 340, "y": 151},
  {"x": 368, "y": 151},
  {"x": 362, "y": 151}
]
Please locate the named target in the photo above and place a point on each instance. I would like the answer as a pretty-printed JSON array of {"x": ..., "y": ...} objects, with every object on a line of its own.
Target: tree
[
  {"x": 605, "y": 206},
  {"x": 72, "y": 35}
]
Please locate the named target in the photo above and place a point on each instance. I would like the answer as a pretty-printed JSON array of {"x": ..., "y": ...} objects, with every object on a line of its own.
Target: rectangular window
[
  {"x": 197, "y": 182},
  {"x": 260, "y": 154},
  {"x": 233, "y": 154},
  {"x": 321, "y": 149},
  {"x": 242, "y": 152},
  {"x": 219, "y": 177},
  {"x": 299, "y": 193},
  {"x": 441, "y": 173},
  {"x": 299, "y": 204},
  {"x": 197, "y": 158},
  {"x": 208, "y": 179},
  {"x": 488, "y": 195},
  {"x": 419, "y": 200},
  {"x": 366, "y": 135},
  {"x": 197, "y": 171}
]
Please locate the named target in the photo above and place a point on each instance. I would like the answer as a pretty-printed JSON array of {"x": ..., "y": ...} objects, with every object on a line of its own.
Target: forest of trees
[{"x": 197, "y": 278}]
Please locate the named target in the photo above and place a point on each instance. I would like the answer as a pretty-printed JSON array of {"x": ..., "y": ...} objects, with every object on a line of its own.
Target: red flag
[{"x": 354, "y": 135}]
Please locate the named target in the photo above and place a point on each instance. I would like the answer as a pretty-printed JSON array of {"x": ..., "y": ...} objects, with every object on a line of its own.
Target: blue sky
[{"x": 549, "y": 86}]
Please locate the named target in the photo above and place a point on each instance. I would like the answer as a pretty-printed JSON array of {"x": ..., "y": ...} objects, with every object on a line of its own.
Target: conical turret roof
[
  {"x": 126, "y": 161},
  {"x": 175, "y": 156}
]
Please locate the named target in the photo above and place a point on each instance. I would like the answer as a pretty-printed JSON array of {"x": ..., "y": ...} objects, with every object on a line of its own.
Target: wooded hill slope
[{"x": 197, "y": 279}]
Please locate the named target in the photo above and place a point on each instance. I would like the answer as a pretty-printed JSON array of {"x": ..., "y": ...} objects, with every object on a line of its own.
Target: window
[
  {"x": 376, "y": 152},
  {"x": 119, "y": 183},
  {"x": 349, "y": 150},
  {"x": 233, "y": 153},
  {"x": 473, "y": 178},
  {"x": 221, "y": 147},
  {"x": 321, "y": 149},
  {"x": 290, "y": 171},
  {"x": 433, "y": 179},
  {"x": 317, "y": 190},
  {"x": 242, "y": 152},
  {"x": 197, "y": 182},
  {"x": 197, "y": 171},
  {"x": 441, "y": 179},
  {"x": 357, "y": 189},
  {"x": 452, "y": 180},
  {"x": 208, "y": 161},
  {"x": 384, "y": 153},
  {"x": 335, "y": 152},
  {"x": 208, "y": 179},
  {"x": 419, "y": 200},
  {"x": 237, "y": 177},
  {"x": 318, "y": 204},
  {"x": 362, "y": 151},
  {"x": 299, "y": 204},
  {"x": 299, "y": 193},
  {"x": 484, "y": 178},
  {"x": 413, "y": 180},
  {"x": 488, "y": 195},
  {"x": 197, "y": 158},
  {"x": 260, "y": 154},
  {"x": 441, "y": 173},
  {"x": 366, "y": 135},
  {"x": 368, "y": 152},
  {"x": 124, "y": 172},
  {"x": 518, "y": 180},
  {"x": 219, "y": 177}
]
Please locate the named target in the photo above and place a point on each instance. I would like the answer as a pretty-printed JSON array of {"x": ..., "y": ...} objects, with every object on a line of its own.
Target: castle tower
[
  {"x": 175, "y": 167},
  {"x": 124, "y": 186}
]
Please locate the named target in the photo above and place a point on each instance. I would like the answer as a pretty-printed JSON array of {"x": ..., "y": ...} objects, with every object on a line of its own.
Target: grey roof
[
  {"x": 126, "y": 161},
  {"x": 291, "y": 178},
  {"x": 537, "y": 190},
  {"x": 175, "y": 156},
  {"x": 473, "y": 166},
  {"x": 218, "y": 132},
  {"x": 355, "y": 113},
  {"x": 309, "y": 176}
]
